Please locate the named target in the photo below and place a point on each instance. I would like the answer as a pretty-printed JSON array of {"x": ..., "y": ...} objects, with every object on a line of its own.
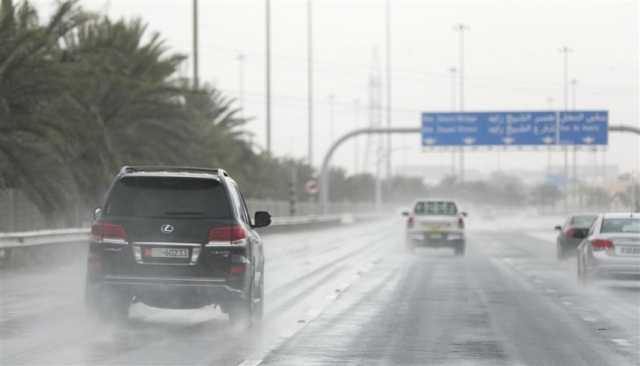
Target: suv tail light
[
  {"x": 460, "y": 223},
  {"x": 410, "y": 222},
  {"x": 234, "y": 234},
  {"x": 105, "y": 232},
  {"x": 601, "y": 244}
]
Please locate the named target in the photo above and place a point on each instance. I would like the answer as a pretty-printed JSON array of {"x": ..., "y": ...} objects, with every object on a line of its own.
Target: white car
[
  {"x": 611, "y": 248},
  {"x": 436, "y": 223}
]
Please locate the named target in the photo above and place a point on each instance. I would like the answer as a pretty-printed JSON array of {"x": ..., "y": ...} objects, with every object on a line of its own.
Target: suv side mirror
[
  {"x": 464, "y": 214},
  {"x": 405, "y": 213},
  {"x": 557, "y": 228},
  {"x": 262, "y": 219},
  {"x": 96, "y": 213}
]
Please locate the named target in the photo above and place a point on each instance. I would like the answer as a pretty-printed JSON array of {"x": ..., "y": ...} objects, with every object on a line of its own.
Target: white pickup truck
[{"x": 436, "y": 223}]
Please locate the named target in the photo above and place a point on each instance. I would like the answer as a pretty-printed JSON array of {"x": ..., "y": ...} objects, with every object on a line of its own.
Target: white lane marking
[
  {"x": 567, "y": 303},
  {"x": 551, "y": 291},
  {"x": 589, "y": 319},
  {"x": 312, "y": 313},
  {"x": 621, "y": 342},
  {"x": 250, "y": 363}
]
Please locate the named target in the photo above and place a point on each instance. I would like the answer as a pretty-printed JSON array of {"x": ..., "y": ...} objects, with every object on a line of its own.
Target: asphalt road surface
[{"x": 351, "y": 295}]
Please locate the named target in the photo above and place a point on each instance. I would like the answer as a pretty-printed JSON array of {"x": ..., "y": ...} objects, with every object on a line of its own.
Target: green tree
[
  {"x": 31, "y": 139},
  {"x": 123, "y": 100}
]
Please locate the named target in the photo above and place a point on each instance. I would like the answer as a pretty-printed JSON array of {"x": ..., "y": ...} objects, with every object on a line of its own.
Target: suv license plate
[
  {"x": 169, "y": 253},
  {"x": 435, "y": 236},
  {"x": 629, "y": 251}
]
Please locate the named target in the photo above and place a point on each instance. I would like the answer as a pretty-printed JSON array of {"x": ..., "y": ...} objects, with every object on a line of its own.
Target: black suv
[{"x": 175, "y": 237}]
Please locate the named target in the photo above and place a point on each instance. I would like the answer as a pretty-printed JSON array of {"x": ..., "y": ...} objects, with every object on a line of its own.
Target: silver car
[{"x": 611, "y": 249}]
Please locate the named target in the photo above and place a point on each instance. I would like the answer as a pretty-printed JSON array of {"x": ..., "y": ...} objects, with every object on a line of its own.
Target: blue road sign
[
  {"x": 514, "y": 128},
  {"x": 584, "y": 128}
]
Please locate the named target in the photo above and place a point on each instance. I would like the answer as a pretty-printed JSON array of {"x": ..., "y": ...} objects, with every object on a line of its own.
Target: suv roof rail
[{"x": 162, "y": 168}]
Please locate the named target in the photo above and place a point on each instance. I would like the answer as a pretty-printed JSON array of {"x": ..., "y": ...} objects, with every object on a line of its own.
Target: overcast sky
[{"x": 512, "y": 62}]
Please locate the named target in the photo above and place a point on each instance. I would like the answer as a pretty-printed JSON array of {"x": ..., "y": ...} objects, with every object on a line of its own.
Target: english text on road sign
[{"x": 516, "y": 128}]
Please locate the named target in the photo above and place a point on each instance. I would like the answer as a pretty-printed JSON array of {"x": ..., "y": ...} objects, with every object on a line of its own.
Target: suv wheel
[
  {"x": 244, "y": 312},
  {"x": 258, "y": 304}
]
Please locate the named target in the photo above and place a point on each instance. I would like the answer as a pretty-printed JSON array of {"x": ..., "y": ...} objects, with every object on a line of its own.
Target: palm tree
[
  {"x": 221, "y": 140},
  {"x": 30, "y": 140},
  {"x": 124, "y": 101}
]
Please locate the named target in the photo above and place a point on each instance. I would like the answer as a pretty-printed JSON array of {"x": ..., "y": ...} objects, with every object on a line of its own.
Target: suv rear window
[
  {"x": 436, "y": 208},
  {"x": 168, "y": 197}
]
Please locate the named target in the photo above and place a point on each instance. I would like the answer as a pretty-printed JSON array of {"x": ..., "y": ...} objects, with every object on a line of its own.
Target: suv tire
[{"x": 243, "y": 312}]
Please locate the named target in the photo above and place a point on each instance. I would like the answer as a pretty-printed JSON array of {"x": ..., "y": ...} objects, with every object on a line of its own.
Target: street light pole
[
  {"x": 454, "y": 105},
  {"x": 310, "y": 83},
  {"x": 461, "y": 28},
  {"x": 549, "y": 148},
  {"x": 240, "y": 57},
  {"x": 332, "y": 98},
  {"x": 565, "y": 51},
  {"x": 388, "y": 64},
  {"x": 195, "y": 45},
  {"x": 574, "y": 173},
  {"x": 356, "y": 146},
  {"x": 268, "y": 71}
]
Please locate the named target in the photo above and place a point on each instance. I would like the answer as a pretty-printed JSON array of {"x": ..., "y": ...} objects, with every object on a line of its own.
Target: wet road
[{"x": 351, "y": 296}]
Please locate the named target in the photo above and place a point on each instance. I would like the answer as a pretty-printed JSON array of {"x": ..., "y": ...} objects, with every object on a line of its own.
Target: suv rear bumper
[
  {"x": 132, "y": 281},
  {"x": 174, "y": 289}
]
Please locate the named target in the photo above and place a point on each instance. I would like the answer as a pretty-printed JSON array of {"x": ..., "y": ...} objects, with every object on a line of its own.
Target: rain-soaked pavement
[{"x": 351, "y": 296}]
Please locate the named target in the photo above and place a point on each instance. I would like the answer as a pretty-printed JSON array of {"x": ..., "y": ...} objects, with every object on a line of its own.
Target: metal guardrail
[
  {"x": 42, "y": 237},
  {"x": 78, "y": 235}
]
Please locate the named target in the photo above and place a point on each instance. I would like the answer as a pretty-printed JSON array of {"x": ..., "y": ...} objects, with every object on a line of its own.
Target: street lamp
[
  {"x": 268, "y": 70},
  {"x": 240, "y": 58},
  {"x": 388, "y": 49},
  {"x": 453, "y": 71},
  {"x": 309, "y": 83},
  {"x": 356, "y": 147},
  {"x": 195, "y": 44},
  {"x": 331, "y": 98},
  {"x": 565, "y": 51},
  {"x": 461, "y": 28}
]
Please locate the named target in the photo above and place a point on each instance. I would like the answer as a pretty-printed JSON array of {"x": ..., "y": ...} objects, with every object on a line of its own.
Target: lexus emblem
[{"x": 167, "y": 229}]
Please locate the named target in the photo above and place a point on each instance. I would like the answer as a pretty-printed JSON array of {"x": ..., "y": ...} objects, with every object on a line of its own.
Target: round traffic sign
[{"x": 311, "y": 186}]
